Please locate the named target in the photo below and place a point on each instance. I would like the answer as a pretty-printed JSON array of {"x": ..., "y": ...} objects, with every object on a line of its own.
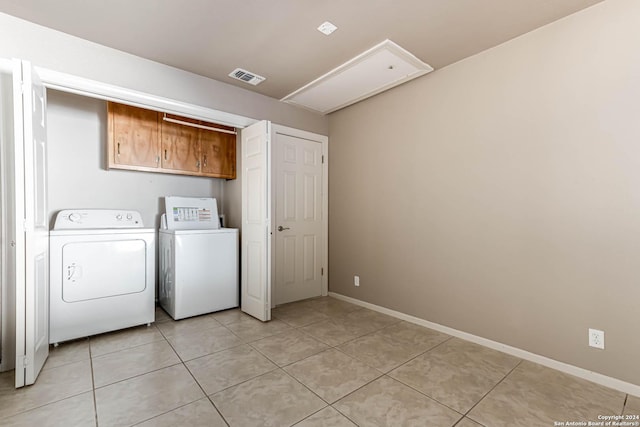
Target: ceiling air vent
[{"x": 246, "y": 76}]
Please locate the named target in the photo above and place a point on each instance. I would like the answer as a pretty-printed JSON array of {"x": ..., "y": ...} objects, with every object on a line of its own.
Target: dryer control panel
[{"x": 97, "y": 219}]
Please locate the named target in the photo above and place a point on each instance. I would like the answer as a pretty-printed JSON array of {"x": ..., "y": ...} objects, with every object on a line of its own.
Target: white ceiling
[{"x": 278, "y": 38}]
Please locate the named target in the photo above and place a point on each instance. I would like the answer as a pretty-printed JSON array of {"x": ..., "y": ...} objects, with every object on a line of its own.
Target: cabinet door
[
  {"x": 218, "y": 154},
  {"x": 180, "y": 147},
  {"x": 133, "y": 137}
]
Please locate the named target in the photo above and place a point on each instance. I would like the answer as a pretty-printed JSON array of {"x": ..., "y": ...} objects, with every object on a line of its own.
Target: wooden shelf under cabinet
[{"x": 140, "y": 139}]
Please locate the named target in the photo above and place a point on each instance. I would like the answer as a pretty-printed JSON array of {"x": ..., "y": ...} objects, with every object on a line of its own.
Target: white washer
[
  {"x": 198, "y": 260},
  {"x": 102, "y": 273}
]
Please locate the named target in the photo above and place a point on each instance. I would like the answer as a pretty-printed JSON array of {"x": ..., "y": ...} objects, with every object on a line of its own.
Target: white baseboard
[{"x": 594, "y": 377}]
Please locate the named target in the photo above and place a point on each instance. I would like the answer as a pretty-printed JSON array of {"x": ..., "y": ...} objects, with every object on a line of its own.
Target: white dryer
[
  {"x": 102, "y": 273},
  {"x": 198, "y": 260}
]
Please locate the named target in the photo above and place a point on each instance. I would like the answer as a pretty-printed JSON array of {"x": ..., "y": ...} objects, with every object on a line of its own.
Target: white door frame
[{"x": 324, "y": 140}]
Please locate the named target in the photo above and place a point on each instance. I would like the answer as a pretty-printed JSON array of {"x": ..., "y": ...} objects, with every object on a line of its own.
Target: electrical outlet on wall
[
  {"x": 356, "y": 280},
  {"x": 596, "y": 338}
]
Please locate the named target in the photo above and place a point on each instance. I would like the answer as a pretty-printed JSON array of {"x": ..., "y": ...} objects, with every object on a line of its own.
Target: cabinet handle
[
  {"x": 198, "y": 164},
  {"x": 165, "y": 154},
  {"x": 205, "y": 161},
  {"x": 157, "y": 159},
  {"x": 118, "y": 148}
]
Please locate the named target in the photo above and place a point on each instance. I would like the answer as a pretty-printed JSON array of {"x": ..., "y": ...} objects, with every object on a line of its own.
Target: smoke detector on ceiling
[
  {"x": 327, "y": 28},
  {"x": 246, "y": 76}
]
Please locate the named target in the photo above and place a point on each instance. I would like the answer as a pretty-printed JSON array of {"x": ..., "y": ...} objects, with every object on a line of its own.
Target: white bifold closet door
[
  {"x": 31, "y": 225},
  {"x": 256, "y": 221}
]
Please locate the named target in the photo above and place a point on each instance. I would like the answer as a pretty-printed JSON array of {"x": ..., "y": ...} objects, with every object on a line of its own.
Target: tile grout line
[
  {"x": 100, "y": 356},
  {"x": 493, "y": 388},
  {"x": 205, "y": 394},
  {"x": 212, "y": 353},
  {"x": 217, "y": 410},
  {"x": 133, "y": 346},
  {"x": 93, "y": 385},
  {"x": 138, "y": 375},
  {"x": 329, "y": 404},
  {"x": 244, "y": 381},
  {"x": 421, "y": 354},
  {"x": 166, "y": 337},
  {"x": 428, "y": 397},
  {"x": 344, "y": 415},
  {"x": 134, "y": 376},
  {"x": 39, "y": 406},
  {"x": 313, "y": 392},
  {"x": 464, "y": 417},
  {"x": 309, "y": 416},
  {"x": 425, "y": 395}
]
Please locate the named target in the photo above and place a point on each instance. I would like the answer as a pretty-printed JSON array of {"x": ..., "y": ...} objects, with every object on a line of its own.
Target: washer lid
[
  {"x": 73, "y": 219},
  {"x": 186, "y": 232}
]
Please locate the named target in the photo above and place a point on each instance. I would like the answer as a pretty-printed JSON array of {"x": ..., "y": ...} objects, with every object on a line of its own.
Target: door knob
[{"x": 281, "y": 228}]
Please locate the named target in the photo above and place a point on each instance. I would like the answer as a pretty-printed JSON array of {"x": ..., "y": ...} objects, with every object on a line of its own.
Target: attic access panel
[{"x": 380, "y": 68}]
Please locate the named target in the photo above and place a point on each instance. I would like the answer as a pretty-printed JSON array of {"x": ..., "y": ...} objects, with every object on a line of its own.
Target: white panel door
[
  {"x": 32, "y": 231},
  {"x": 299, "y": 238},
  {"x": 256, "y": 222}
]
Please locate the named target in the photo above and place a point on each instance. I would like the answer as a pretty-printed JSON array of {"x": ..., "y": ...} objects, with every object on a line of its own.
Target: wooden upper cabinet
[
  {"x": 180, "y": 146},
  {"x": 134, "y": 133},
  {"x": 218, "y": 153},
  {"x": 142, "y": 139}
]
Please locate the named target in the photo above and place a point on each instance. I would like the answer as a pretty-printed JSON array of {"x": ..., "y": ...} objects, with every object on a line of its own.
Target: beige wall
[{"x": 501, "y": 195}]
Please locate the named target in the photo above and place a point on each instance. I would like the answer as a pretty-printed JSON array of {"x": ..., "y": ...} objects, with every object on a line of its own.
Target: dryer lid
[{"x": 191, "y": 213}]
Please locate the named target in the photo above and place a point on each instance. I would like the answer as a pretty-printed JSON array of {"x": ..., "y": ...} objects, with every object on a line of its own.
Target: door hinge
[{"x": 24, "y": 362}]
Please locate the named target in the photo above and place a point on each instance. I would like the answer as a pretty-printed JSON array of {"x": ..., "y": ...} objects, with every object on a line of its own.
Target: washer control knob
[
  {"x": 129, "y": 216},
  {"x": 119, "y": 217},
  {"x": 74, "y": 217}
]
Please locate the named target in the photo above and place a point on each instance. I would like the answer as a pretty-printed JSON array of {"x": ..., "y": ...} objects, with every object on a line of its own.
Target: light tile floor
[{"x": 321, "y": 362}]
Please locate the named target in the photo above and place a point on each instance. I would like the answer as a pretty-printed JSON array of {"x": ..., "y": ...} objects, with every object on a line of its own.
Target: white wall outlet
[
  {"x": 356, "y": 280},
  {"x": 596, "y": 338}
]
